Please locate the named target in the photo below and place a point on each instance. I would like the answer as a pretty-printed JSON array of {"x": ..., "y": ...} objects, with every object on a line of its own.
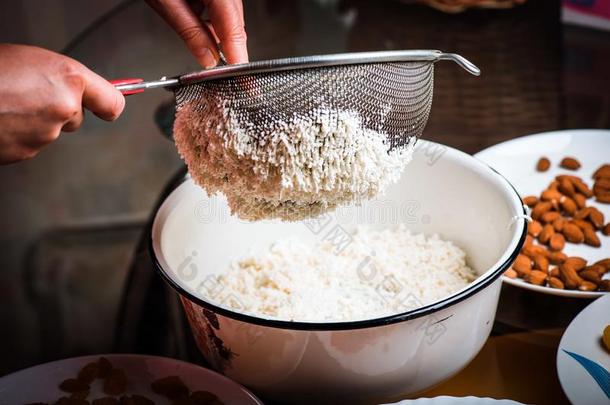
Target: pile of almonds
[
  {"x": 560, "y": 214},
  {"x": 115, "y": 384}
]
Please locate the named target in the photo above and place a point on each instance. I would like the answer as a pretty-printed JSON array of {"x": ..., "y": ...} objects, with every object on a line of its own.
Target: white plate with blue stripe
[{"x": 583, "y": 362}]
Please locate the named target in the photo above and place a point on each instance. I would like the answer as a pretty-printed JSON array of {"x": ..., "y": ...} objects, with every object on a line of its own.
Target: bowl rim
[{"x": 490, "y": 276}]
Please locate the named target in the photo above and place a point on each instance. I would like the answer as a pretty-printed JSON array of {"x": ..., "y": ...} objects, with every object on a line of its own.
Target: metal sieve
[{"x": 391, "y": 91}]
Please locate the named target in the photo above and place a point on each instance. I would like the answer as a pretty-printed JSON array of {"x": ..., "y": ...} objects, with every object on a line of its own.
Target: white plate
[
  {"x": 516, "y": 160},
  {"x": 40, "y": 383},
  {"x": 583, "y": 338},
  {"x": 444, "y": 400}
]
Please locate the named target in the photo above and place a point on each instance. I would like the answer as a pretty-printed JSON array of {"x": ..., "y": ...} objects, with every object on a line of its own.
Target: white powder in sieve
[
  {"x": 298, "y": 169},
  {"x": 379, "y": 273}
]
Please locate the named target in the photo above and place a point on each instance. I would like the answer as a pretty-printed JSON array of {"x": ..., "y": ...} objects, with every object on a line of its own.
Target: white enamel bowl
[{"x": 442, "y": 191}]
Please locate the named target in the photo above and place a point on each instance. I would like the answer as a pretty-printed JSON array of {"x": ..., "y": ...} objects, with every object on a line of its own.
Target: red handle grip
[{"x": 118, "y": 82}]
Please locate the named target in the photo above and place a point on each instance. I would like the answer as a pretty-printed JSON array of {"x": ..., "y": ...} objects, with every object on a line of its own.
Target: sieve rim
[
  {"x": 298, "y": 63},
  {"x": 330, "y": 60}
]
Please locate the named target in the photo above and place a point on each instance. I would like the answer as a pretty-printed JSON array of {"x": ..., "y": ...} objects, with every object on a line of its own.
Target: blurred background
[{"x": 74, "y": 271}]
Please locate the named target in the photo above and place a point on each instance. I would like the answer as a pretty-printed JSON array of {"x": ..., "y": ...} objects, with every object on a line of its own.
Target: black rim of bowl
[{"x": 343, "y": 325}]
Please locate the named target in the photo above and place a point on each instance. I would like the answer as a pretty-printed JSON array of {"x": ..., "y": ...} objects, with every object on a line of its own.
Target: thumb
[{"x": 101, "y": 98}]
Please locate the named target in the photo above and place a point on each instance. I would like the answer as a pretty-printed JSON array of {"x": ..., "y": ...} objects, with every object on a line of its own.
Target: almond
[
  {"x": 570, "y": 177},
  {"x": 590, "y": 275},
  {"x": 554, "y": 272},
  {"x": 606, "y": 229},
  {"x": 536, "y": 277},
  {"x": 557, "y": 242},
  {"x": 580, "y": 200},
  {"x": 73, "y": 385},
  {"x": 530, "y": 200},
  {"x": 533, "y": 250},
  {"x": 553, "y": 185},
  {"x": 603, "y": 198},
  {"x": 554, "y": 282},
  {"x": 568, "y": 206},
  {"x": 582, "y": 213},
  {"x": 543, "y": 164},
  {"x": 600, "y": 270},
  {"x": 88, "y": 373},
  {"x": 596, "y": 217},
  {"x": 550, "y": 216},
  {"x": 550, "y": 194},
  {"x": 566, "y": 187},
  {"x": 602, "y": 171},
  {"x": 573, "y": 233},
  {"x": 605, "y": 263},
  {"x": 540, "y": 209},
  {"x": 522, "y": 265},
  {"x": 541, "y": 263},
  {"x": 534, "y": 228},
  {"x": 116, "y": 382},
  {"x": 558, "y": 224},
  {"x": 510, "y": 273},
  {"x": 582, "y": 224},
  {"x": 576, "y": 262},
  {"x": 570, "y": 163},
  {"x": 600, "y": 187},
  {"x": 557, "y": 257},
  {"x": 104, "y": 367},
  {"x": 555, "y": 205},
  {"x": 545, "y": 235},
  {"x": 604, "y": 285},
  {"x": 569, "y": 276},
  {"x": 603, "y": 184},
  {"x": 582, "y": 187},
  {"x": 587, "y": 286},
  {"x": 591, "y": 238},
  {"x": 528, "y": 240}
]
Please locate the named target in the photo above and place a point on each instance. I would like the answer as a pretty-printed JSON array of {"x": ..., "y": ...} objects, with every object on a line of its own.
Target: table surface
[
  {"x": 537, "y": 75},
  {"x": 518, "y": 366}
]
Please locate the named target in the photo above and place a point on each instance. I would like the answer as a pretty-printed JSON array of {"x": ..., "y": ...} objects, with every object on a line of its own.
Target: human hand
[
  {"x": 43, "y": 93},
  {"x": 227, "y": 28}
]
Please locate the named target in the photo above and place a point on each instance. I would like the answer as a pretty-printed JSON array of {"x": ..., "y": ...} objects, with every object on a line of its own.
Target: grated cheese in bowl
[{"x": 379, "y": 273}]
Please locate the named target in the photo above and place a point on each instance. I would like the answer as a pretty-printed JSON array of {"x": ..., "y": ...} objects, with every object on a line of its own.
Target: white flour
[
  {"x": 296, "y": 170},
  {"x": 380, "y": 273}
]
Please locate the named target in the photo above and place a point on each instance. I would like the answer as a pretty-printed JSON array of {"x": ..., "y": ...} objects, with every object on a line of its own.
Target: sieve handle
[
  {"x": 462, "y": 61},
  {"x": 129, "y": 86},
  {"x": 122, "y": 85}
]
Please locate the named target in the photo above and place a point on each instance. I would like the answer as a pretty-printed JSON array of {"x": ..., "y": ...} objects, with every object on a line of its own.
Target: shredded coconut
[
  {"x": 379, "y": 273},
  {"x": 298, "y": 169}
]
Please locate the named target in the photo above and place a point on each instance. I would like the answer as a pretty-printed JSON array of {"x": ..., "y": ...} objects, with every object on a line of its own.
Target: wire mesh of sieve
[
  {"x": 391, "y": 91},
  {"x": 393, "y": 98}
]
